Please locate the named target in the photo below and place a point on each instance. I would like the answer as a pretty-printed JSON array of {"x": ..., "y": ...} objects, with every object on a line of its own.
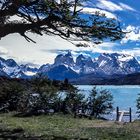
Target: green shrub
[
  {"x": 138, "y": 105},
  {"x": 100, "y": 102},
  {"x": 72, "y": 100},
  {"x": 10, "y": 94}
]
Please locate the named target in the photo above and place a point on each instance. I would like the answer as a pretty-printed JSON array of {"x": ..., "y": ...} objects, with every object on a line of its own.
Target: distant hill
[{"x": 130, "y": 79}]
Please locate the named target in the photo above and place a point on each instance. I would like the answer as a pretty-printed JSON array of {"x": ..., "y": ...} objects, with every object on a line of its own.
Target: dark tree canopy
[
  {"x": 52, "y": 17},
  {"x": 138, "y": 105},
  {"x": 101, "y": 102}
]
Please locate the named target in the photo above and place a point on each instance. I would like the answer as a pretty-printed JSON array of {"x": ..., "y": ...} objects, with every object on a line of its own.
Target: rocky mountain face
[
  {"x": 85, "y": 64},
  {"x": 117, "y": 64},
  {"x": 105, "y": 65},
  {"x": 83, "y": 68},
  {"x": 10, "y": 68},
  {"x": 66, "y": 59}
]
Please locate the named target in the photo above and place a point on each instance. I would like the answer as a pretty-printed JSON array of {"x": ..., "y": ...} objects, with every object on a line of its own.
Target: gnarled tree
[{"x": 63, "y": 18}]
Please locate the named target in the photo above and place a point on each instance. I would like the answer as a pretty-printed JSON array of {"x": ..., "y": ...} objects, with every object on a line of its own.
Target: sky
[{"x": 46, "y": 47}]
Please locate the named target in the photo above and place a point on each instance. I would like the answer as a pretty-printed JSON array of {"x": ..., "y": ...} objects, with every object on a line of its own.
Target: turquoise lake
[{"x": 123, "y": 96}]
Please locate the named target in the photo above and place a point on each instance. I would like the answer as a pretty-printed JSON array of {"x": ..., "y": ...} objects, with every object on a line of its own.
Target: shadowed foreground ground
[{"x": 65, "y": 127}]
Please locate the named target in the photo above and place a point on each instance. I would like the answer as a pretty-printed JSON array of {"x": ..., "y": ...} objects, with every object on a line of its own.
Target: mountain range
[
  {"x": 9, "y": 68},
  {"x": 105, "y": 65},
  {"x": 80, "y": 70}
]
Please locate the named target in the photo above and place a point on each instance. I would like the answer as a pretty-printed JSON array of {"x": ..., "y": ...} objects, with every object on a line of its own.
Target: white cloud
[
  {"x": 104, "y": 6},
  {"x": 108, "y": 5},
  {"x": 23, "y": 51},
  {"x": 102, "y": 50},
  {"x": 106, "y": 47},
  {"x": 14, "y": 46},
  {"x": 126, "y": 7},
  {"x": 3, "y": 51},
  {"x": 44, "y": 51},
  {"x": 108, "y": 44},
  {"x": 132, "y": 35},
  {"x": 93, "y": 10},
  {"x": 134, "y": 52},
  {"x": 111, "y": 6}
]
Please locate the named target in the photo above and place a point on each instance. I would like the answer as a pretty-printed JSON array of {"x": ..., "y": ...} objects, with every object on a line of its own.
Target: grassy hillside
[{"x": 63, "y": 127}]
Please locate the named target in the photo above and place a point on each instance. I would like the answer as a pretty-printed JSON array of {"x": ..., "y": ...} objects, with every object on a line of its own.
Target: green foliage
[
  {"x": 72, "y": 100},
  {"x": 101, "y": 102},
  {"x": 40, "y": 84},
  {"x": 32, "y": 96},
  {"x": 35, "y": 103},
  {"x": 14, "y": 91},
  {"x": 138, "y": 105},
  {"x": 40, "y": 95},
  {"x": 62, "y": 18},
  {"x": 10, "y": 94}
]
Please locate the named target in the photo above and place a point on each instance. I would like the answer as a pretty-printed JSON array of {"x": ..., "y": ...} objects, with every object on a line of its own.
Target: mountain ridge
[
  {"x": 9, "y": 68},
  {"x": 83, "y": 68},
  {"x": 105, "y": 64}
]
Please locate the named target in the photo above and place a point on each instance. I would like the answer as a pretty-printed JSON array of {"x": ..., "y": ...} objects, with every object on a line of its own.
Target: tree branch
[{"x": 46, "y": 16}]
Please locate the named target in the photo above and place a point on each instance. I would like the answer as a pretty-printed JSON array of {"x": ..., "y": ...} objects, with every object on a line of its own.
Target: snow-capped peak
[
  {"x": 12, "y": 69},
  {"x": 65, "y": 66},
  {"x": 115, "y": 63},
  {"x": 125, "y": 58},
  {"x": 66, "y": 59}
]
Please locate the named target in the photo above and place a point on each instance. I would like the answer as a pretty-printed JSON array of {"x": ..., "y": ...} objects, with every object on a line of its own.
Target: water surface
[{"x": 123, "y": 96}]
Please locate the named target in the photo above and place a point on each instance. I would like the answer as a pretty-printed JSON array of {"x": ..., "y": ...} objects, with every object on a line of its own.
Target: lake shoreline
[
  {"x": 124, "y": 96},
  {"x": 105, "y": 85}
]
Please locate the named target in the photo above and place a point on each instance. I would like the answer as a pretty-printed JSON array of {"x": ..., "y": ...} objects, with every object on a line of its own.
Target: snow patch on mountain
[
  {"x": 66, "y": 67},
  {"x": 105, "y": 64},
  {"x": 29, "y": 73},
  {"x": 125, "y": 58},
  {"x": 11, "y": 69}
]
